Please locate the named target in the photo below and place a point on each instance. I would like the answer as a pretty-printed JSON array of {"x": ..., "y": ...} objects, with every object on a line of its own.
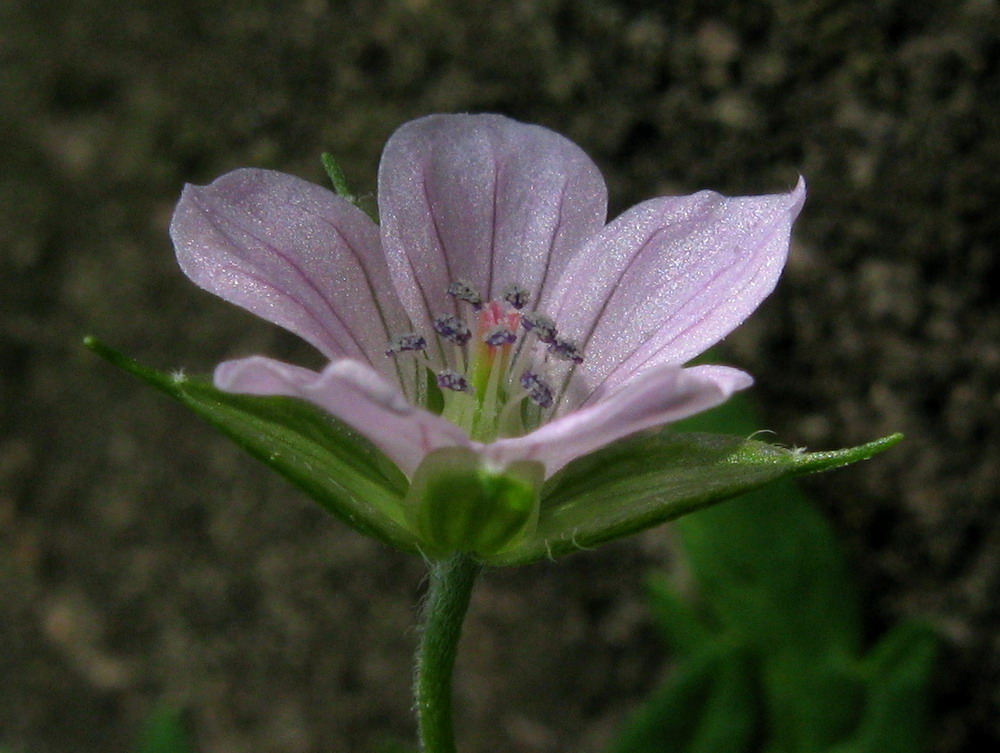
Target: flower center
[{"x": 497, "y": 382}]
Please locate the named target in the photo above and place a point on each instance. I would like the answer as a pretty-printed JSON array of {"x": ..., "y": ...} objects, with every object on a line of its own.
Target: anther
[
  {"x": 464, "y": 291},
  {"x": 516, "y": 296},
  {"x": 499, "y": 335},
  {"x": 451, "y": 328},
  {"x": 543, "y": 327},
  {"x": 409, "y": 341},
  {"x": 567, "y": 350},
  {"x": 452, "y": 380},
  {"x": 538, "y": 390}
]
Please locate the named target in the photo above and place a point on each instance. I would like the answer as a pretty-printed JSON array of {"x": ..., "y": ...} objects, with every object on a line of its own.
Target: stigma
[{"x": 498, "y": 357}]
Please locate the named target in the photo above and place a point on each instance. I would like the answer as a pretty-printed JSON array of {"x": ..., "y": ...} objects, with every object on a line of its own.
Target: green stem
[{"x": 444, "y": 610}]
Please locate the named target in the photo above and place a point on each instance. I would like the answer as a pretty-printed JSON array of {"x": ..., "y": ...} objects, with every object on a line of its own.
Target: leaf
[
  {"x": 647, "y": 480},
  {"x": 769, "y": 566},
  {"x": 331, "y": 463},
  {"x": 813, "y": 701},
  {"x": 681, "y": 627},
  {"x": 706, "y": 706},
  {"x": 165, "y": 733},
  {"x": 898, "y": 673},
  {"x": 770, "y": 569}
]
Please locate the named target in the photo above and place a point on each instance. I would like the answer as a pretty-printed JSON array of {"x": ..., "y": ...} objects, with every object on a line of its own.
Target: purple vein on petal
[
  {"x": 444, "y": 257},
  {"x": 600, "y": 313},
  {"x": 488, "y": 290},
  {"x": 536, "y": 296},
  {"x": 748, "y": 280},
  {"x": 375, "y": 296},
  {"x": 228, "y": 235}
]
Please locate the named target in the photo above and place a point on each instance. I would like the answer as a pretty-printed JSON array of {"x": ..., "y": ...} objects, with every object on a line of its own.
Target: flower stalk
[{"x": 447, "y": 600}]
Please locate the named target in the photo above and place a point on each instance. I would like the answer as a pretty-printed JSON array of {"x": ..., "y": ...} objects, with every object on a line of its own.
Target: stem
[{"x": 444, "y": 610}]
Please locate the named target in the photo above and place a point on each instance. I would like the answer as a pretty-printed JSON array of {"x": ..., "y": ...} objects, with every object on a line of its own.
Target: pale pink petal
[
  {"x": 668, "y": 279},
  {"x": 354, "y": 393},
  {"x": 484, "y": 199},
  {"x": 296, "y": 255},
  {"x": 656, "y": 397}
]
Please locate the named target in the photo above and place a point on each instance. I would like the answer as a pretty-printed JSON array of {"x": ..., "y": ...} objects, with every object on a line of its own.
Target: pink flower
[{"x": 493, "y": 308}]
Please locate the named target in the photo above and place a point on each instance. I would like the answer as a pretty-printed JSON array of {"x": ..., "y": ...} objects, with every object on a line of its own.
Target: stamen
[
  {"x": 516, "y": 296},
  {"x": 499, "y": 335},
  {"x": 451, "y": 328},
  {"x": 409, "y": 341},
  {"x": 567, "y": 350},
  {"x": 464, "y": 291},
  {"x": 539, "y": 392},
  {"x": 452, "y": 380},
  {"x": 543, "y": 327}
]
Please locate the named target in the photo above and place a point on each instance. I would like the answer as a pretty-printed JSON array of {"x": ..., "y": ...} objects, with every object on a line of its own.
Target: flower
[{"x": 493, "y": 308}]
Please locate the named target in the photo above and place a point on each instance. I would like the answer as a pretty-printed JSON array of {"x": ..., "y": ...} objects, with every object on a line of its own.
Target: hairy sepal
[
  {"x": 644, "y": 481},
  {"x": 334, "y": 465}
]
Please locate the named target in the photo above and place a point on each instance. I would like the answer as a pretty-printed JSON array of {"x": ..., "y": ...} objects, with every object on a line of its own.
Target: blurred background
[{"x": 145, "y": 560}]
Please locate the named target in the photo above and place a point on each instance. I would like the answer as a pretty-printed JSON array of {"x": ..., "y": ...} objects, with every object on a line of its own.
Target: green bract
[{"x": 503, "y": 517}]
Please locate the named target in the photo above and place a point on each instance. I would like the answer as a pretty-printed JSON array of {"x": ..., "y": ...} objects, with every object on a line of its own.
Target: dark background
[{"x": 143, "y": 559}]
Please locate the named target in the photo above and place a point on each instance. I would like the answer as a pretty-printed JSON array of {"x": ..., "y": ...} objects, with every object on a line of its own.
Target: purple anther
[
  {"x": 538, "y": 391},
  {"x": 409, "y": 341},
  {"x": 452, "y": 329},
  {"x": 566, "y": 350},
  {"x": 499, "y": 335},
  {"x": 464, "y": 291},
  {"x": 543, "y": 327},
  {"x": 452, "y": 380},
  {"x": 516, "y": 296}
]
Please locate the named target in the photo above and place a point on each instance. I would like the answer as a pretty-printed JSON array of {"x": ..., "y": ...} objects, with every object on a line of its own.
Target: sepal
[
  {"x": 641, "y": 482},
  {"x": 456, "y": 504},
  {"x": 337, "y": 467}
]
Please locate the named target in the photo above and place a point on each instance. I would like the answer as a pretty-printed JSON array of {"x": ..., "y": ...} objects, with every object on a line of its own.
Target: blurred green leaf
[
  {"x": 165, "y": 733},
  {"x": 706, "y": 706},
  {"x": 682, "y": 628},
  {"x": 773, "y": 585},
  {"x": 770, "y": 565},
  {"x": 897, "y": 672}
]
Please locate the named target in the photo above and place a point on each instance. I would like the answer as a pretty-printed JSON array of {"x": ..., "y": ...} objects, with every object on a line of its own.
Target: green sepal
[
  {"x": 641, "y": 482},
  {"x": 337, "y": 467},
  {"x": 455, "y": 504},
  {"x": 339, "y": 181}
]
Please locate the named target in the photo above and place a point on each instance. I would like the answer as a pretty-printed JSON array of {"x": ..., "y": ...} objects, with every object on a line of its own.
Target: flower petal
[
  {"x": 668, "y": 279},
  {"x": 355, "y": 394},
  {"x": 296, "y": 255},
  {"x": 656, "y": 397},
  {"x": 484, "y": 199}
]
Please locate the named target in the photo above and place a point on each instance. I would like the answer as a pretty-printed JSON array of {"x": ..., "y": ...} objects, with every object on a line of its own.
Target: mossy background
[{"x": 144, "y": 560}]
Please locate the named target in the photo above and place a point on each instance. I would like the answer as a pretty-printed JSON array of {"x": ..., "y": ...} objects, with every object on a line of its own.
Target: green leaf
[
  {"x": 644, "y": 481},
  {"x": 769, "y": 566},
  {"x": 729, "y": 717},
  {"x": 812, "y": 701},
  {"x": 681, "y": 627},
  {"x": 707, "y": 705},
  {"x": 331, "y": 463},
  {"x": 897, "y": 673},
  {"x": 165, "y": 733}
]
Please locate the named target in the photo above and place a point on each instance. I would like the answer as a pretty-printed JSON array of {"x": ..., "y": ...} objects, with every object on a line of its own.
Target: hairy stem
[{"x": 444, "y": 611}]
